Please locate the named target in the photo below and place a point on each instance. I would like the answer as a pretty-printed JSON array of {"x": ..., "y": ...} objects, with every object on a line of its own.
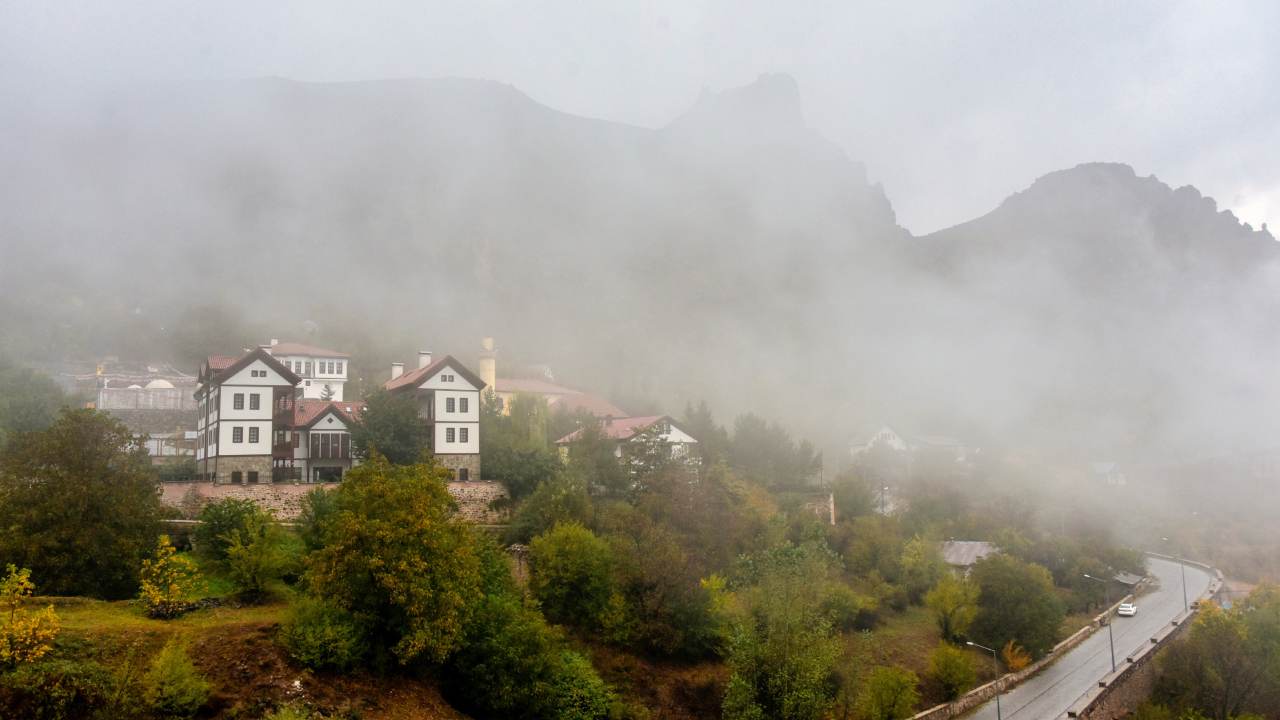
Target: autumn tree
[
  {"x": 954, "y": 604},
  {"x": 394, "y": 557},
  {"x": 570, "y": 574},
  {"x": 166, "y": 579},
  {"x": 25, "y": 635}
]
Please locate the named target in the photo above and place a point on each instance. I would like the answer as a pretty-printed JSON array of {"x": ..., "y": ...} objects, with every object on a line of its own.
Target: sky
[{"x": 953, "y": 106}]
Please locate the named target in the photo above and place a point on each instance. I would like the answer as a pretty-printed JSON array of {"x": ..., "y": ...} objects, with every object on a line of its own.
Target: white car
[{"x": 1127, "y": 610}]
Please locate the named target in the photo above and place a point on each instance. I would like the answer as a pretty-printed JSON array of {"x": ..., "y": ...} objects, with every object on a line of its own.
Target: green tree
[
  {"x": 853, "y": 494},
  {"x": 172, "y": 686},
  {"x": 954, "y": 604},
  {"x": 92, "y": 464},
  {"x": 713, "y": 439},
  {"x": 29, "y": 401},
  {"x": 167, "y": 579},
  {"x": 591, "y": 457},
  {"x": 765, "y": 454},
  {"x": 570, "y": 574},
  {"x": 922, "y": 566},
  {"x": 256, "y": 556},
  {"x": 563, "y": 498},
  {"x": 952, "y": 668},
  {"x": 219, "y": 521},
  {"x": 393, "y": 555},
  {"x": 391, "y": 427},
  {"x": 516, "y": 450},
  {"x": 1016, "y": 601},
  {"x": 890, "y": 694},
  {"x": 783, "y": 653}
]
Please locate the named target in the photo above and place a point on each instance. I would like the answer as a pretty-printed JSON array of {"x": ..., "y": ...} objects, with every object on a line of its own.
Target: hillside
[{"x": 733, "y": 255}]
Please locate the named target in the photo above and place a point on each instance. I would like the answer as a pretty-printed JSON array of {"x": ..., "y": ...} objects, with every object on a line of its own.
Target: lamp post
[
  {"x": 997, "y": 662},
  {"x": 1182, "y": 566},
  {"x": 883, "y": 488},
  {"x": 1106, "y": 590}
]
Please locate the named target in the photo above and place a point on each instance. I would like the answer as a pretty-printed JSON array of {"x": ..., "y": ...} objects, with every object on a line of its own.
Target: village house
[
  {"x": 962, "y": 555},
  {"x": 633, "y": 436},
  {"x": 320, "y": 437},
  {"x": 448, "y": 397},
  {"x": 558, "y": 397},
  {"x": 245, "y": 405},
  {"x": 323, "y": 371}
]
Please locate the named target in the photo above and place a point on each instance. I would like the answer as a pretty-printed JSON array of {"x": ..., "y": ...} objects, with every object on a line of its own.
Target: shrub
[
  {"x": 1016, "y": 601},
  {"x": 1014, "y": 656},
  {"x": 563, "y": 498},
  {"x": 173, "y": 687},
  {"x": 322, "y": 636},
  {"x": 255, "y": 554},
  {"x": 890, "y": 694},
  {"x": 318, "y": 506},
  {"x": 289, "y": 712},
  {"x": 953, "y": 669},
  {"x": 25, "y": 636},
  {"x": 954, "y": 603},
  {"x": 167, "y": 580},
  {"x": 847, "y": 610},
  {"x": 218, "y": 522},
  {"x": 569, "y": 574},
  {"x": 58, "y": 690}
]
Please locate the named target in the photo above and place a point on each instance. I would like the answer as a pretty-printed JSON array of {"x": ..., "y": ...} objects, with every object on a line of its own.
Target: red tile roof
[
  {"x": 417, "y": 375},
  {"x": 288, "y": 348},
  {"x": 306, "y": 412},
  {"x": 586, "y": 402},
  {"x": 618, "y": 429},
  {"x": 221, "y": 362},
  {"x": 532, "y": 385}
]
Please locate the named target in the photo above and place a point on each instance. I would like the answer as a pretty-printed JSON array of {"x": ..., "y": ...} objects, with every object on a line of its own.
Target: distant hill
[{"x": 734, "y": 254}]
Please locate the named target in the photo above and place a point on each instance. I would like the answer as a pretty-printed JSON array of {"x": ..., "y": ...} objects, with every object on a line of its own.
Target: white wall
[
  {"x": 262, "y": 447},
  {"x": 312, "y": 385},
  {"x": 471, "y": 447},
  {"x": 473, "y": 406}
]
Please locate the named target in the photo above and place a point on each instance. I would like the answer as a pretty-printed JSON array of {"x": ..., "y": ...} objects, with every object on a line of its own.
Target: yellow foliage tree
[
  {"x": 167, "y": 579},
  {"x": 25, "y": 636},
  {"x": 1015, "y": 657}
]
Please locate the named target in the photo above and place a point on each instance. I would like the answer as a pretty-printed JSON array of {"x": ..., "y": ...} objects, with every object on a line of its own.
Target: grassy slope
[{"x": 235, "y": 648}]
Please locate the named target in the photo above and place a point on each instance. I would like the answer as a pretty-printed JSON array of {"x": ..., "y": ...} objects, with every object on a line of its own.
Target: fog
[{"x": 837, "y": 217}]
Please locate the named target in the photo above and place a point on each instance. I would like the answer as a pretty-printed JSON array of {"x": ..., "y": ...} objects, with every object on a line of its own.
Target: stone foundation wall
[
  {"x": 475, "y": 499},
  {"x": 224, "y": 465},
  {"x": 458, "y": 462}
]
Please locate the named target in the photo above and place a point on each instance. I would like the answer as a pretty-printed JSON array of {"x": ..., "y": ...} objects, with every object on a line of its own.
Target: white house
[
  {"x": 243, "y": 404},
  {"x": 629, "y": 434},
  {"x": 448, "y": 397},
  {"x": 323, "y": 372},
  {"x": 320, "y": 437}
]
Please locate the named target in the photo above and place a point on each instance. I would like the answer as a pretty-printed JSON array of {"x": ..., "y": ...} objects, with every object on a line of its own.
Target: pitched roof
[
  {"x": 218, "y": 370},
  {"x": 532, "y": 385},
  {"x": 417, "y": 375},
  {"x": 586, "y": 402},
  {"x": 619, "y": 428},
  {"x": 307, "y": 412},
  {"x": 289, "y": 348}
]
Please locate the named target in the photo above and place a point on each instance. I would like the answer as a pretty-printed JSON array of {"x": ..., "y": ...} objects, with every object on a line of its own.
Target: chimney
[
  {"x": 275, "y": 342},
  {"x": 424, "y": 358},
  {"x": 397, "y": 369},
  {"x": 488, "y": 364}
]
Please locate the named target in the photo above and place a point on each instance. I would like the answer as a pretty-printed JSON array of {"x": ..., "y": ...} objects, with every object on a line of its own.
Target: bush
[
  {"x": 58, "y": 690},
  {"x": 569, "y": 574},
  {"x": 1016, "y": 601},
  {"x": 317, "y": 506},
  {"x": 953, "y": 669},
  {"x": 322, "y": 636},
  {"x": 1014, "y": 656},
  {"x": 513, "y": 665},
  {"x": 218, "y": 522},
  {"x": 890, "y": 694},
  {"x": 167, "y": 580},
  {"x": 256, "y": 557},
  {"x": 289, "y": 712},
  {"x": 563, "y": 498},
  {"x": 847, "y": 610},
  {"x": 25, "y": 636},
  {"x": 173, "y": 687}
]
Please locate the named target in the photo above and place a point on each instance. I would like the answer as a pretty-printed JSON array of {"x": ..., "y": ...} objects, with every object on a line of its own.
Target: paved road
[{"x": 1049, "y": 694}]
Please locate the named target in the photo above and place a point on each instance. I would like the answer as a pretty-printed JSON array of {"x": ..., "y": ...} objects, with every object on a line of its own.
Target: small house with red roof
[
  {"x": 321, "y": 438},
  {"x": 634, "y": 435},
  {"x": 448, "y": 398}
]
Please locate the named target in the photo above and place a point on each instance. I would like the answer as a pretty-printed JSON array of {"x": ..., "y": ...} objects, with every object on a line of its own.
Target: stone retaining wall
[
  {"x": 1120, "y": 692},
  {"x": 476, "y": 500}
]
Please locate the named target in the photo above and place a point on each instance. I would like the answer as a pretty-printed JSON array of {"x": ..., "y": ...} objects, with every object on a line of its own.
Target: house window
[
  {"x": 448, "y": 405},
  {"x": 253, "y": 477},
  {"x": 306, "y": 368},
  {"x": 253, "y": 434},
  {"x": 237, "y": 477},
  {"x": 296, "y": 438},
  {"x": 237, "y": 401},
  {"x": 237, "y": 435},
  {"x": 448, "y": 435},
  {"x": 329, "y": 365},
  {"x": 462, "y": 434},
  {"x": 255, "y": 401},
  {"x": 462, "y": 404},
  {"x": 340, "y": 364},
  {"x": 463, "y": 475}
]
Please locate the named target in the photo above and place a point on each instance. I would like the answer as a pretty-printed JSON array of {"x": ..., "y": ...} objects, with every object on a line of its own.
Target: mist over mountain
[{"x": 733, "y": 255}]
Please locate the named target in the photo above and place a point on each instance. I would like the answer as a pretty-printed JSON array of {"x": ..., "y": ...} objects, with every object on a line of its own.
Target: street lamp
[
  {"x": 1182, "y": 566},
  {"x": 1106, "y": 589},
  {"x": 997, "y": 662},
  {"x": 883, "y": 488}
]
